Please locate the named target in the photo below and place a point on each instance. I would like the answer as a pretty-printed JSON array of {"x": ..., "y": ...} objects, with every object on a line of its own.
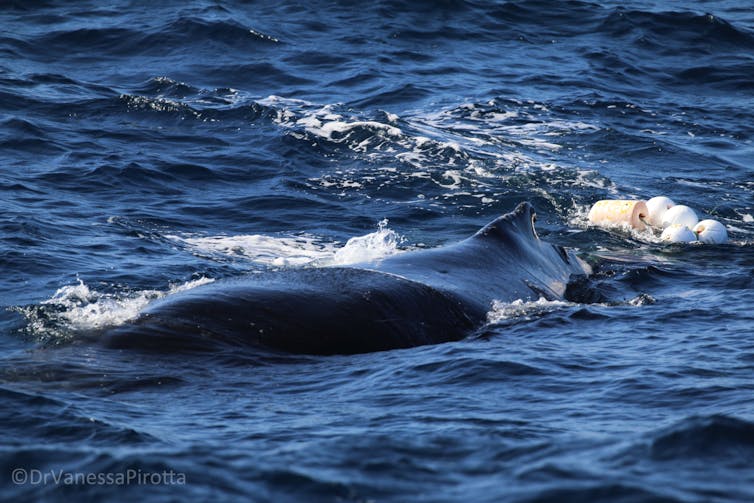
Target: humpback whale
[{"x": 409, "y": 299}]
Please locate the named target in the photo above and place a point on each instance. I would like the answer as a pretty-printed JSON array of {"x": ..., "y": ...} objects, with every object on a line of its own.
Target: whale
[{"x": 413, "y": 298}]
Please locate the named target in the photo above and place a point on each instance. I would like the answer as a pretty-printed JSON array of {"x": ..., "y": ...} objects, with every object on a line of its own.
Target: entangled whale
[{"x": 404, "y": 300}]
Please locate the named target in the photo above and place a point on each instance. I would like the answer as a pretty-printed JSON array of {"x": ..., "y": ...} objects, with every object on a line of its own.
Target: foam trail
[
  {"x": 265, "y": 250},
  {"x": 478, "y": 143},
  {"x": 299, "y": 251}
]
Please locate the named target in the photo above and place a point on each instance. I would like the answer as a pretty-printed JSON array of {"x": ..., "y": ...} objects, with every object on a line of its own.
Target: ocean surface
[{"x": 150, "y": 147}]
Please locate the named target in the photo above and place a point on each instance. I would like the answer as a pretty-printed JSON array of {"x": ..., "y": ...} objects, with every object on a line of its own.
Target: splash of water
[
  {"x": 78, "y": 307},
  {"x": 299, "y": 251}
]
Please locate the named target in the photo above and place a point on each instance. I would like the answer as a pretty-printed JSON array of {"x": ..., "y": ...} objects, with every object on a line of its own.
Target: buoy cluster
[{"x": 678, "y": 223}]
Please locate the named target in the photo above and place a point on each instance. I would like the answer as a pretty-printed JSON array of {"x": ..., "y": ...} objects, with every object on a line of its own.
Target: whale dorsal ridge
[{"x": 519, "y": 223}]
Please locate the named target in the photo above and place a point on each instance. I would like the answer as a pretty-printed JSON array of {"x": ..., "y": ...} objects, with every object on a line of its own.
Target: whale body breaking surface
[{"x": 405, "y": 300}]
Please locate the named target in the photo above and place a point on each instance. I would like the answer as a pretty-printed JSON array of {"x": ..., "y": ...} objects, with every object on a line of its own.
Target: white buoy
[
  {"x": 682, "y": 215},
  {"x": 657, "y": 207},
  {"x": 609, "y": 213},
  {"x": 711, "y": 232},
  {"x": 678, "y": 233}
]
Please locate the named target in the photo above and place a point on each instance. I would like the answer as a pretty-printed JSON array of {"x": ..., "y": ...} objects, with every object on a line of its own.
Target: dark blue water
[{"x": 148, "y": 147}]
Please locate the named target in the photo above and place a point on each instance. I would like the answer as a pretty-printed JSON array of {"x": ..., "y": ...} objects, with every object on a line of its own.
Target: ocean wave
[
  {"x": 176, "y": 36},
  {"x": 37, "y": 418},
  {"x": 474, "y": 370},
  {"x": 676, "y": 32},
  {"x": 720, "y": 439},
  {"x": 721, "y": 77}
]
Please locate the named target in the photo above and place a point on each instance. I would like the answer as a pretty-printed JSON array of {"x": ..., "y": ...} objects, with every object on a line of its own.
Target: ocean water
[{"x": 150, "y": 147}]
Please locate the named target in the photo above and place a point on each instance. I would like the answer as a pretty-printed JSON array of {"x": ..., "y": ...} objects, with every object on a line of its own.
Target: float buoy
[
  {"x": 681, "y": 215},
  {"x": 678, "y": 233},
  {"x": 711, "y": 232},
  {"x": 679, "y": 223},
  {"x": 657, "y": 207},
  {"x": 608, "y": 213}
]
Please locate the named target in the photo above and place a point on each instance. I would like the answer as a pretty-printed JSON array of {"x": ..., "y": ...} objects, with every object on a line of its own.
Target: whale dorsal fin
[{"x": 519, "y": 222}]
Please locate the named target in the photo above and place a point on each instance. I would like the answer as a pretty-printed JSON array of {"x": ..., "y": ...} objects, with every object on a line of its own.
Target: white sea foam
[
  {"x": 274, "y": 100},
  {"x": 525, "y": 309},
  {"x": 301, "y": 250},
  {"x": 326, "y": 128},
  {"x": 265, "y": 250},
  {"x": 80, "y": 307},
  {"x": 472, "y": 141}
]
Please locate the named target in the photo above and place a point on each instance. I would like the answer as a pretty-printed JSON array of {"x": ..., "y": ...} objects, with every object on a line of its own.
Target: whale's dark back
[
  {"x": 311, "y": 311},
  {"x": 406, "y": 300}
]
